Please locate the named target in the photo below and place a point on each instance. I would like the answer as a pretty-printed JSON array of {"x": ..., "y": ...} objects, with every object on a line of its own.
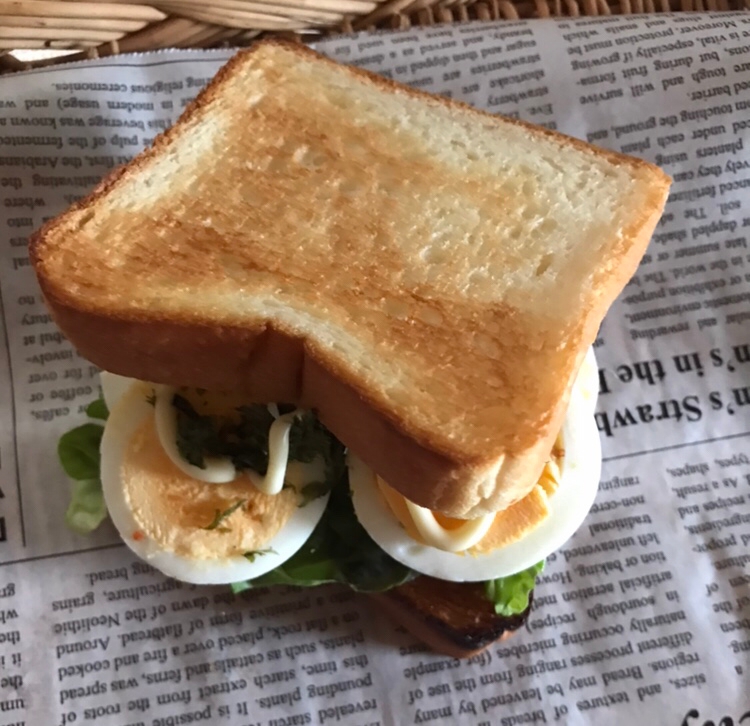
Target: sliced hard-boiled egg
[
  {"x": 552, "y": 513},
  {"x": 113, "y": 387},
  {"x": 198, "y": 532}
]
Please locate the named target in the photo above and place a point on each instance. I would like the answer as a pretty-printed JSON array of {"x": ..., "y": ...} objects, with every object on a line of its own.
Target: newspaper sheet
[{"x": 644, "y": 616}]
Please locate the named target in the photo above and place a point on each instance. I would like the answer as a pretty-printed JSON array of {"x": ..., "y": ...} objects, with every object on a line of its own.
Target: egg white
[
  {"x": 127, "y": 411},
  {"x": 587, "y": 382},
  {"x": 114, "y": 386},
  {"x": 569, "y": 505}
]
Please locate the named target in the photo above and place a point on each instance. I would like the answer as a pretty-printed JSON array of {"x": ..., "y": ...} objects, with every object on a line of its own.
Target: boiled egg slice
[
  {"x": 565, "y": 505},
  {"x": 175, "y": 522},
  {"x": 114, "y": 387}
]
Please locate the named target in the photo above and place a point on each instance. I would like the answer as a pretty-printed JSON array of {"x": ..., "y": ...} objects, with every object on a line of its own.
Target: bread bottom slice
[{"x": 454, "y": 618}]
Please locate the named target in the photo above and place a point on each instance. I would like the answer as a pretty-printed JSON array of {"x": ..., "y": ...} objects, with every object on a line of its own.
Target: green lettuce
[
  {"x": 87, "y": 509},
  {"x": 78, "y": 451},
  {"x": 510, "y": 595},
  {"x": 98, "y": 409}
]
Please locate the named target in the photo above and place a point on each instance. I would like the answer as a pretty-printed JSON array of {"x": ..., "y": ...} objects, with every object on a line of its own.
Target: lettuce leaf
[
  {"x": 98, "y": 409},
  {"x": 87, "y": 509},
  {"x": 78, "y": 451},
  {"x": 511, "y": 594}
]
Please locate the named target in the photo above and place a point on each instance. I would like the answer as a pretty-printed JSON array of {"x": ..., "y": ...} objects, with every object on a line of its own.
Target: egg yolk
[{"x": 175, "y": 510}]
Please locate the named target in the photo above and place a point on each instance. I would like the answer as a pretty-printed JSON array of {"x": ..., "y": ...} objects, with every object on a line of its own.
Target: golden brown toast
[{"x": 427, "y": 276}]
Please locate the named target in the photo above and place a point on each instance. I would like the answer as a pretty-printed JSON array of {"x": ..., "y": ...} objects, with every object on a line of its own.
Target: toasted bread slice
[
  {"x": 427, "y": 276},
  {"x": 454, "y": 618}
]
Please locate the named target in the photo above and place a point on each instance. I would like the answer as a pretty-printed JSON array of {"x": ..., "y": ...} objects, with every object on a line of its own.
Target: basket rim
[{"x": 198, "y": 29}]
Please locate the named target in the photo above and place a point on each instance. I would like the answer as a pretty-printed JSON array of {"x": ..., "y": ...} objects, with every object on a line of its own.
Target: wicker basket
[{"x": 105, "y": 28}]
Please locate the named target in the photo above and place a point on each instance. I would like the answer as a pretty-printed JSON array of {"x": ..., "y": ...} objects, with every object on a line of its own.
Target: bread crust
[
  {"x": 451, "y": 618},
  {"x": 266, "y": 361}
]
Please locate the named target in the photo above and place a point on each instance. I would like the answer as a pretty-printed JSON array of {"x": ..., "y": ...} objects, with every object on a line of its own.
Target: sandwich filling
[
  {"x": 176, "y": 511},
  {"x": 212, "y": 491}
]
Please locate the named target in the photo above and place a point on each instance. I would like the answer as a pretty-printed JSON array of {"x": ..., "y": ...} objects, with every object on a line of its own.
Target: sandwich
[{"x": 345, "y": 334}]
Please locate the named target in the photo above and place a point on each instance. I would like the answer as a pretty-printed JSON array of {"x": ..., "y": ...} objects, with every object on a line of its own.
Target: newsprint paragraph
[{"x": 643, "y": 617}]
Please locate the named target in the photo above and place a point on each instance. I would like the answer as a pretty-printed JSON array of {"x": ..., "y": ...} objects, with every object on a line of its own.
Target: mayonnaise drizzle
[
  {"x": 216, "y": 471},
  {"x": 221, "y": 470},
  {"x": 449, "y": 540},
  {"x": 278, "y": 456}
]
